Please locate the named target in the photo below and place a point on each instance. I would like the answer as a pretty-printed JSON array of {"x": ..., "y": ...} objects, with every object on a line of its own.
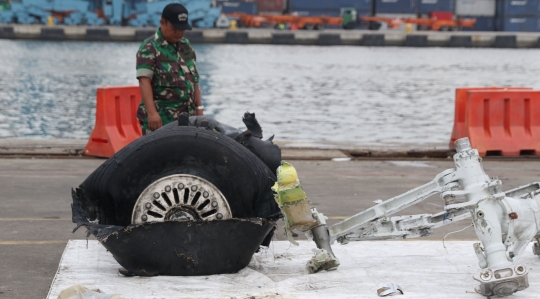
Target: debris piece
[
  {"x": 322, "y": 260},
  {"x": 341, "y": 159},
  {"x": 81, "y": 292},
  {"x": 389, "y": 289},
  {"x": 252, "y": 124}
]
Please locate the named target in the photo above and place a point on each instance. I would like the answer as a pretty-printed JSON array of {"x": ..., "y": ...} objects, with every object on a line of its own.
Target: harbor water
[{"x": 342, "y": 94}]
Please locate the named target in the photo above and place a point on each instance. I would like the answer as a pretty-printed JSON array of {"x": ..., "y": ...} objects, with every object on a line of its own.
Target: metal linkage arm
[
  {"x": 415, "y": 226},
  {"x": 528, "y": 191},
  {"x": 410, "y": 226},
  {"x": 355, "y": 224}
]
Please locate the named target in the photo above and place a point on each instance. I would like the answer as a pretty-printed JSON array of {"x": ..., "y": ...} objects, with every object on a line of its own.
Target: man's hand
[
  {"x": 154, "y": 121},
  {"x": 198, "y": 101}
]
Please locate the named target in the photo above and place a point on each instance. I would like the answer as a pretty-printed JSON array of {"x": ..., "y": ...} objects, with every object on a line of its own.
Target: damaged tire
[
  {"x": 186, "y": 199},
  {"x": 110, "y": 193}
]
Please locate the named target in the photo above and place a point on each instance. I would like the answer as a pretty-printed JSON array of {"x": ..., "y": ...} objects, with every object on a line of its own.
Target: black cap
[{"x": 177, "y": 14}]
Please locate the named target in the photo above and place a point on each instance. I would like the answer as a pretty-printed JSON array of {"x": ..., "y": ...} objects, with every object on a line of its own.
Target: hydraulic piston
[{"x": 299, "y": 215}]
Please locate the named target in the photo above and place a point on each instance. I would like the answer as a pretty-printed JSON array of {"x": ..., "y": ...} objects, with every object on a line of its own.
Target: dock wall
[{"x": 267, "y": 36}]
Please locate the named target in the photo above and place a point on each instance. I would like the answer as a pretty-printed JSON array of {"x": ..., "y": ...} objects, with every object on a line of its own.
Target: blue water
[{"x": 340, "y": 94}]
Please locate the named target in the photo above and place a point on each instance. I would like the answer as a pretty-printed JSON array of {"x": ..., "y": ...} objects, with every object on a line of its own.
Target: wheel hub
[
  {"x": 182, "y": 213},
  {"x": 180, "y": 197}
]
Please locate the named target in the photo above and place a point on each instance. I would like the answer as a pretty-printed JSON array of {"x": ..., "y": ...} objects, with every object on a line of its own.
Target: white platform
[{"x": 424, "y": 269}]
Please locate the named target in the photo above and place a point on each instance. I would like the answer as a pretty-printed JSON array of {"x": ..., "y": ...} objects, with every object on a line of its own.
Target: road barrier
[
  {"x": 52, "y": 33},
  {"x": 98, "y": 34},
  {"x": 416, "y": 40},
  {"x": 142, "y": 34},
  {"x": 329, "y": 39},
  {"x": 283, "y": 39},
  {"x": 499, "y": 121},
  {"x": 459, "y": 112},
  {"x": 116, "y": 124},
  {"x": 233, "y": 37},
  {"x": 375, "y": 40},
  {"x": 195, "y": 37},
  {"x": 459, "y": 41},
  {"x": 505, "y": 41}
]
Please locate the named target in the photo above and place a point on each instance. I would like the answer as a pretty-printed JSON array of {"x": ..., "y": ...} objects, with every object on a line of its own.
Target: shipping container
[
  {"x": 441, "y": 15},
  {"x": 272, "y": 5},
  {"x": 428, "y": 6},
  {"x": 396, "y": 6},
  {"x": 306, "y": 5},
  {"x": 517, "y": 24},
  {"x": 482, "y": 23},
  {"x": 235, "y": 7},
  {"x": 506, "y": 8},
  {"x": 475, "y": 8}
]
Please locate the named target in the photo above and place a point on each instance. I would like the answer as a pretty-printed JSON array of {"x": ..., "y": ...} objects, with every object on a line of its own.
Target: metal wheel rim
[{"x": 180, "y": 197}]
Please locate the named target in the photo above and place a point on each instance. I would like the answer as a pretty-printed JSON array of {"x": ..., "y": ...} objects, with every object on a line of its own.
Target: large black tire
[{"x": 110, "y": 192}]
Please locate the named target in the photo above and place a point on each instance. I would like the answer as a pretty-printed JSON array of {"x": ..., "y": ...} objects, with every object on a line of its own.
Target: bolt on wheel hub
[{"x": 180, "y": 197}]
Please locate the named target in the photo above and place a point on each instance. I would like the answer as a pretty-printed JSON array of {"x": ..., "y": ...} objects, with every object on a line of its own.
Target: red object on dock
[
  {"x": 460, "y": 108},
  {"x": 116, "y": 124},
  {"x": 442, "y": 15},
  {"x": 271, "y": 5},
  {"x": 500, "y": 121}
]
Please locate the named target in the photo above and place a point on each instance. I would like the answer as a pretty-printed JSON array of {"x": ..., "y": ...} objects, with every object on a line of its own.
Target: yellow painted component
[
  {"x": 299, "y": 216},
  {"x": 291, "y": 195},
  {"x": 292, "y": 201},
  {"x": 286, "y": 174},
  {"x": 408, "y": 28},
  {"x": 233, "y": 25},
  {"x": 50, "y": 21}
]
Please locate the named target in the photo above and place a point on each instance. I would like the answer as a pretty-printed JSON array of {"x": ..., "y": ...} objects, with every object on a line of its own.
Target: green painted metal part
[{"x": 291, "y": 196}]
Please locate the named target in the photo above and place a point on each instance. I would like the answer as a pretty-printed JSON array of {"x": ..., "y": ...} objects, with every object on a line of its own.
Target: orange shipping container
[{"x": 272, "y": 5}]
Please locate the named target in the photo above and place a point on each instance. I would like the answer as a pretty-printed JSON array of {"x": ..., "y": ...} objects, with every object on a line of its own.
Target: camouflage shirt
[{"x": 173, "y": 72}]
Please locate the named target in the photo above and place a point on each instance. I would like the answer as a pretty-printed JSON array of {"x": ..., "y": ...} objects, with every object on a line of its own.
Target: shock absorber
[{"x": 293, "y": 202}]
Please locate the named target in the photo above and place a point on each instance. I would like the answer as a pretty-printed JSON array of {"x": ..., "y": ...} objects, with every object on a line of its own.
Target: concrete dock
[
  {"x": 329, "y": 37},
  {"x": 36, "y": 213}
]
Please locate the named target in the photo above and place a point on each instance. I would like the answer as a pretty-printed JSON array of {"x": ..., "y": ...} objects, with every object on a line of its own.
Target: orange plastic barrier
[
  {"x": 116, "y": 123},
  {"x": 459, "y": 110},
  {"x": 503, "y": 122}
]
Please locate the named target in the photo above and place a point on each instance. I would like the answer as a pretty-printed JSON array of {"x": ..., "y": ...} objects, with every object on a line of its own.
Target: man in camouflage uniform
[{"x": 167, "y": 72}]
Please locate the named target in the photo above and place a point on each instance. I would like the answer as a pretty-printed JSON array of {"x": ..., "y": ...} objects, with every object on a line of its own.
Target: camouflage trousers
[{"x": 168, "y": 110}]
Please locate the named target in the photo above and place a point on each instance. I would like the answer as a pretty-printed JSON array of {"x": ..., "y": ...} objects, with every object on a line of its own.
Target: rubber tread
[{"x": 111, "y": 191}]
